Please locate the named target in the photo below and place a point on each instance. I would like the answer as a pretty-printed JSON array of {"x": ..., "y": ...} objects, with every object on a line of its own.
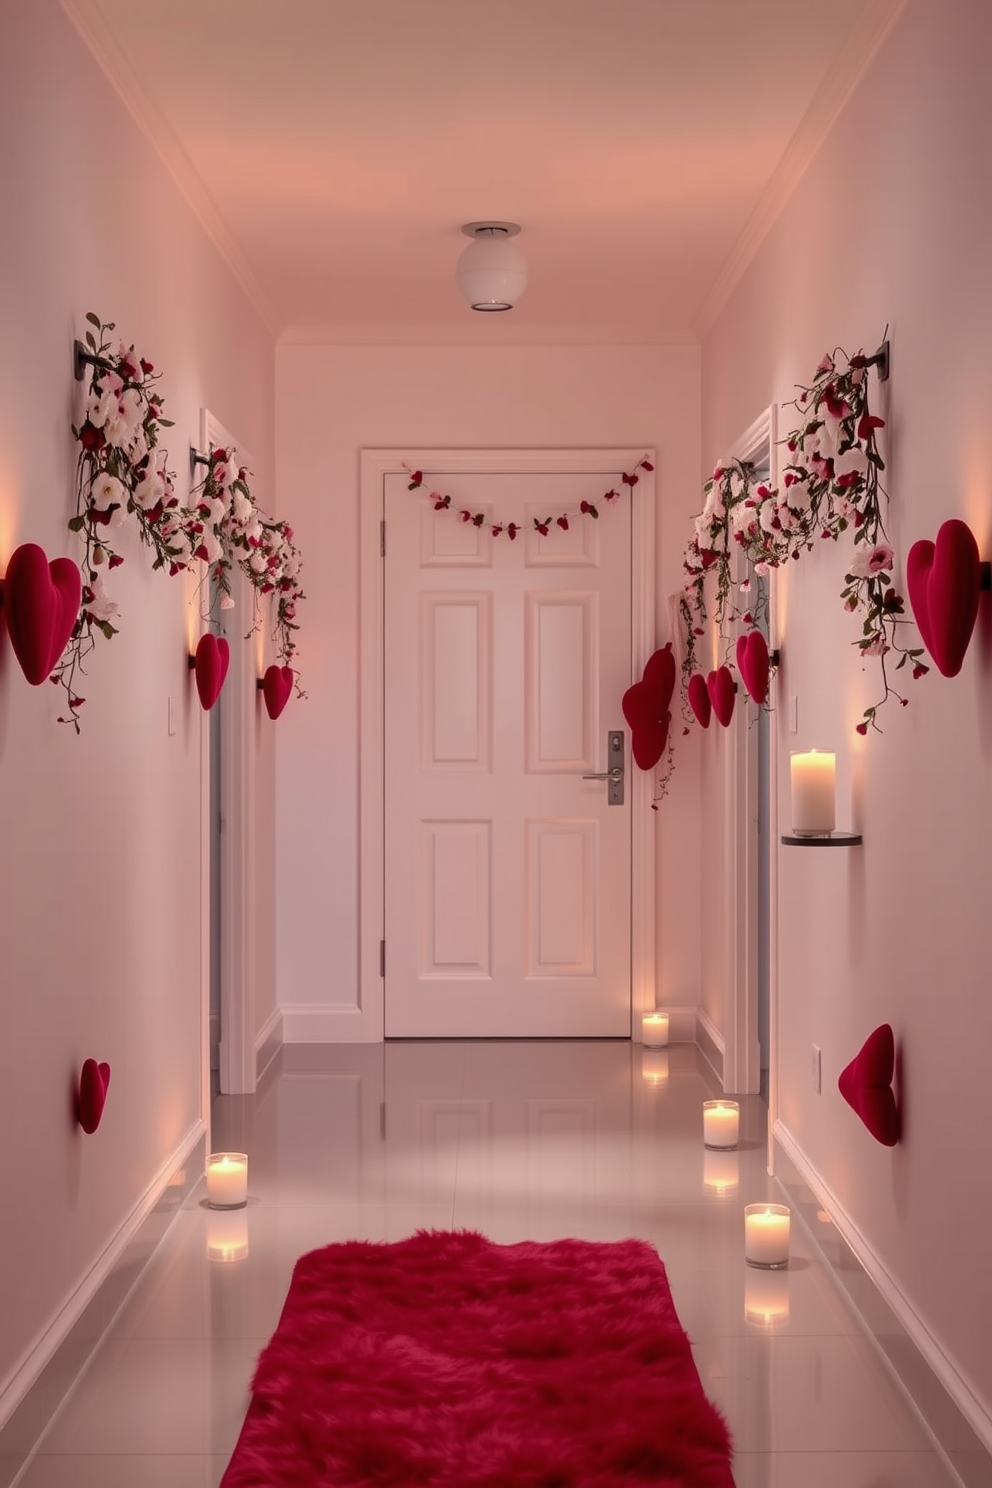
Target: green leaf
[
  {"x": 76, "y": 524},
  {"x": 91, "y": 340},
  {"x": 167, "y": 423},
  {"x": 95, "y": 320},
  {"x": 107, "y": 628}
]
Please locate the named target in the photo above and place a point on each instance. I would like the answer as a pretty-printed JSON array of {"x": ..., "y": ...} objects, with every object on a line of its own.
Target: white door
[{"x": 507, "y": 875}]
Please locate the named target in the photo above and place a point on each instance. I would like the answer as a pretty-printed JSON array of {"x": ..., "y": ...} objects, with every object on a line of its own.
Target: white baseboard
[
  {"x": 710, "y": 1042},
  {"x": 953, "y": 1382},
  {"x": 268, "y": 1041},
  {"x": 85, "y": 1315},
  {"x": 328, "y": 1025}
]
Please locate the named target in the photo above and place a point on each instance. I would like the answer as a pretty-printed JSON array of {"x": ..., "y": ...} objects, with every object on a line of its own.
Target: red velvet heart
[
  {"x": 213, "y": 657},
  {"x": 944, "y": 582},
  {"x": 277, "y": 687},
  {"x": 42, "y": 604},
  {"x": 699, "y": 699},
  {"x": 720, "y": 685},
  {"x": 866, "y": 1085},
  {"x": 752, "y": 663},
  {"x": 648, "y": 728},
  {"x": 94, "y": 1081},
  {"x": 659, "y": 673}
]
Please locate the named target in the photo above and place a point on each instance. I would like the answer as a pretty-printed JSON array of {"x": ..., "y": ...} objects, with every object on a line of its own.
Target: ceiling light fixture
[{"x": 491, "y": 272}]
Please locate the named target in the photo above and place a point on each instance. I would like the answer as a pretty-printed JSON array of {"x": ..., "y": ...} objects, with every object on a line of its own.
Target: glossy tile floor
[{"x": 520, "y": 1141}]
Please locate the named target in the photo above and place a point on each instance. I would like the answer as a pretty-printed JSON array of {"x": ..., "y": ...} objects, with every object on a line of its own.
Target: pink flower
[{"x": 869, "y": 561}]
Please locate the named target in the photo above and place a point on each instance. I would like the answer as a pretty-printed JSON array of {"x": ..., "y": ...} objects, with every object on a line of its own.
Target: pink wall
[
  {"x": 332, "y": 402},
  {"x": 100, "y": 868},
  {"x": 892, "y": 226}
]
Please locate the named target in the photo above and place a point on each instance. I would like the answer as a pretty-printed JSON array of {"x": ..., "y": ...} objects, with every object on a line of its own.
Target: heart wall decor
[
  {"x": 753, "y": 664},
  {"x": 42, "y": 604},
  {"x": 277, "y": 688},
  {"x": 699, "y": 699},
  {"x": 722, "y": 690},
  {"x": 944, "y": 580},
  {"x": 94, "y": 1081},
  {"x": 866, "y": 1085},
  {"x": 212, "y": 659},
  {"x": 646, "y": 708}
]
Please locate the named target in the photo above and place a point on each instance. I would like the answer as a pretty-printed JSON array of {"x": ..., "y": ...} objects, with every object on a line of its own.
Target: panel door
[{"x": 507, "y": 875}]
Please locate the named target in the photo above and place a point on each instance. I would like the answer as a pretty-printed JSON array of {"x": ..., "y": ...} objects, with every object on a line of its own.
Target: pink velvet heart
[
  {"x": 866, "y": 1085},
  {"x": 94, "y": 1081},
  {"x": 42, "y": 604},
  {"x": 699, "y": 699},
  {"x": 213, "y": 657},
  {"x": 720, "y": 685},
  {"x": 277, "y": 687},
  {"x": 752, "y": 663},
  {"x": 944, "y": 582}
]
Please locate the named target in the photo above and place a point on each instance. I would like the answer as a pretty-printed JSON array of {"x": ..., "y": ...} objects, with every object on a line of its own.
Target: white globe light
[{"x": 492, "y": 272}]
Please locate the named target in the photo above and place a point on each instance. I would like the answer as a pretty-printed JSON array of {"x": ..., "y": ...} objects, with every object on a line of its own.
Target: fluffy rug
[{"x": 450, "y": 1362}]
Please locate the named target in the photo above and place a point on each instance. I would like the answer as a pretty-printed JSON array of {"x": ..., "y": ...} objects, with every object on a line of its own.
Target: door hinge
[
  {"x": 382, "y": 539},
  {"x": 382, "y": 958}
]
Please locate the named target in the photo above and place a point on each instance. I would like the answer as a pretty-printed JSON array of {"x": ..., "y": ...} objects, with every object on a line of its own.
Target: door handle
[{"x": 614, "y": 775}]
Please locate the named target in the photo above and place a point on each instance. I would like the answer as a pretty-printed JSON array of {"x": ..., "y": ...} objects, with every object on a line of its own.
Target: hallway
[{"x": 598, "y": 1140}]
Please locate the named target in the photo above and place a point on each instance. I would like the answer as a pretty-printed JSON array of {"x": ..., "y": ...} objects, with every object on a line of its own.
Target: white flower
[
  {"x": 258, "y": 562},
  {"x": 131, "y": 408},
  {"x": 798, "y": 496},
  {"x": 742, "y": 516},
  {"x": 98, "y": 408},
  {"x": 852, "y": 459},
  {"x": 149, "y": 490},
  {"x": 218, "y": 510},
  {"x": 226, "y": 602},
  {"x": 212, "y": 546},
  {"x": 99, "y": 607},
  {"x": 241, "y": 508},
  {"x": 868, "y": 561},
  {"x": 106, "y": 490},
  {"x": 768, "y": 516}
]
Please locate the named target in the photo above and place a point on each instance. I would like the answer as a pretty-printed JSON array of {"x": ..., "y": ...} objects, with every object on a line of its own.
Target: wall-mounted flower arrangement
[
  {"x": 121, "y": 473},
  {"x": 225, "y": 528},
  {"x": 542, "y": 525},
  {"x": 830, "y": 485}
]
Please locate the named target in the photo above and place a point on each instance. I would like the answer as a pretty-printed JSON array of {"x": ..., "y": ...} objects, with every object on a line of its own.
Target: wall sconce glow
[
  {"x": 491, "y": 272},
  {"x": 721, "y": 1123},
  {"x": 766, "y": 1235},
  {"x": 654, "y": 1067},
  {"x": 721, "y": 1172},
  {"x": 227, "y": 1180},
  {"x": 766, "y": 1298},
  {"x": 654, "y": 1030},
  {"x": 227, "y": 1235},
  {"x": 813, "y": 779}
]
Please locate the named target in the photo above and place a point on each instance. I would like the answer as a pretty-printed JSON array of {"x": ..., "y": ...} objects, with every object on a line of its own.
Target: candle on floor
[
  {"x": 654, "y": 1030},
  {"x": 227, "y": 1180},
  {"x": 766, "y": 1235},
  {"x": 654, "y": 1067},
  {"x": 721, "y": 1123},
  {"x": 766, "y": 1298},
  {"x": 813, "y": 777},
  {"x": 227, "y": 1235},
  {"x": 721, "y": 1172}
]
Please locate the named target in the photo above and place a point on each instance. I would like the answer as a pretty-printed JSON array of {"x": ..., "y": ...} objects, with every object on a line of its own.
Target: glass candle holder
[
  {"x": 766, "y": 1235},
  {"x": 654, "y": 1067},
  {"x": 227, "y": 1235},
  {"x": 721, "y": 1123},
  {"x": 766, "y": 1298},
  {"x": 227, "y": 1180},
  {"x": 654, "y": 1030},
  {"x": 721, "y": 1171}
]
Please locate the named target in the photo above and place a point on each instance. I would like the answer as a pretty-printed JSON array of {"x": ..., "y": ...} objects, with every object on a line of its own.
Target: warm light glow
[
  {"x": 721, "y": 1123},
  {"x": 227, "y": 1179},
  {"x": 813, "y": 779},
  {"x": 766, "y": 1234},
  {"x": 654, "y": 1067},
  {"x": 721, "y": 1172},
  {"x": 227, "y": 1235},
  {"x": 654, "y": 1030},
  {"x": 766, "y": 1298}
]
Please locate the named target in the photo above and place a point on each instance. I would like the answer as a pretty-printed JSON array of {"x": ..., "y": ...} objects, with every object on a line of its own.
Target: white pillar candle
[
  {"x": 654, "y": 1067},
  {"x": 813, "y": 793},
  {"x": 766, "y": 1234},
  {"x": 227, "y": 1180},
  {"x": 721, "y": 1123},
  {"x": 654, "y": 1030}
]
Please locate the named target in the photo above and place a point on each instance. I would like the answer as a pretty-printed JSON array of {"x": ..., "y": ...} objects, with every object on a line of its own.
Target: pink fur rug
[{"x": 450, "y": 1362}]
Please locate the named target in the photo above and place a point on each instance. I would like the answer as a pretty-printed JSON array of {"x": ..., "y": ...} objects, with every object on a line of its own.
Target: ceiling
[{"x": 334, "y": 148}]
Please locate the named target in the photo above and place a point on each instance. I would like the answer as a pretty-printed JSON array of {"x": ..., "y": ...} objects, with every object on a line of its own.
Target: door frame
[
  {"x": 238, "y": 704},
  {"x": 741, "y": 1055},
  {"x": 365, "y": 1023}
]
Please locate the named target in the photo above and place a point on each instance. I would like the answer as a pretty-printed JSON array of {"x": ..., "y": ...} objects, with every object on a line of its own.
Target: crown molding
[
  {"x": 841, "y": 80},
  {"x": 92, "y": 26}
]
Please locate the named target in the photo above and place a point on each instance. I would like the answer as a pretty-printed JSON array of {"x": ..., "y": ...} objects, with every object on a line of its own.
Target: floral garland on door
[
  {"x": 541, "y": 525},
  {"x": 830, "y": 485}
]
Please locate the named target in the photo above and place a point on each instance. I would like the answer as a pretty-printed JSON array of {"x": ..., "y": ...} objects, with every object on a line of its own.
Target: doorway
[{"x": 440, "y": 894}]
